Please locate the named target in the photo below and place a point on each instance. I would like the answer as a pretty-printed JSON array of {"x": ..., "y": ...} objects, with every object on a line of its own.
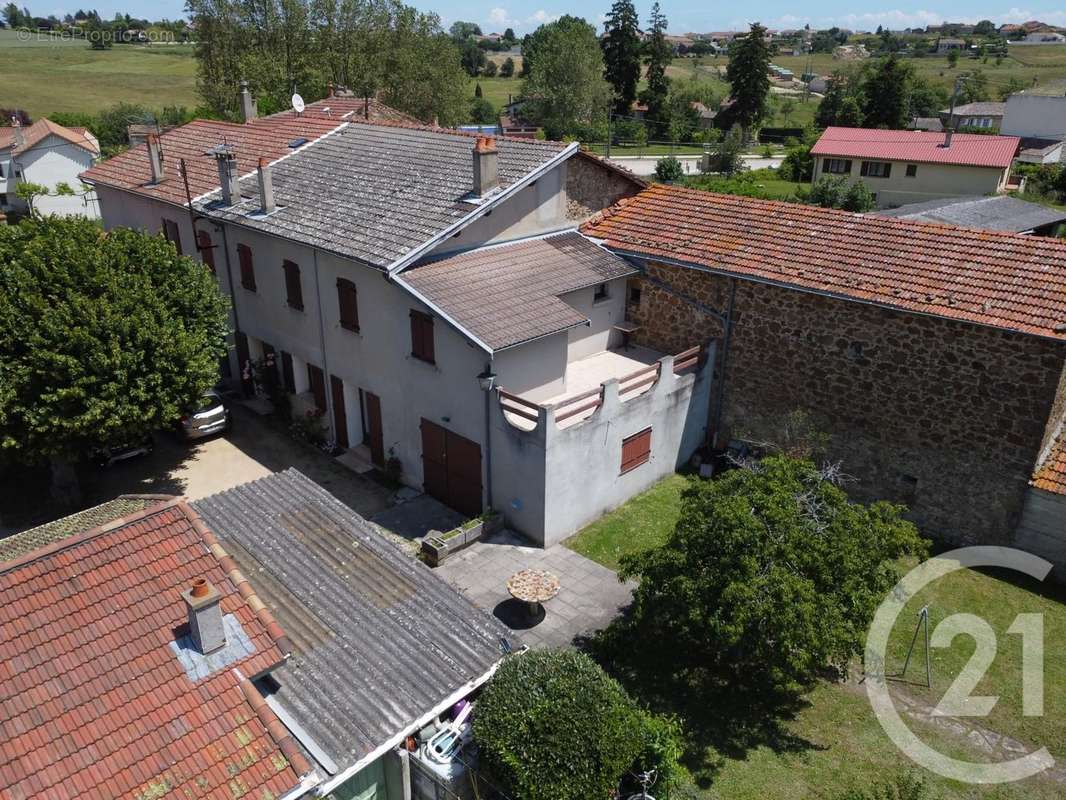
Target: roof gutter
[
  {"x": 405, "y": 261},
  {"x": 336, "y": 781}
]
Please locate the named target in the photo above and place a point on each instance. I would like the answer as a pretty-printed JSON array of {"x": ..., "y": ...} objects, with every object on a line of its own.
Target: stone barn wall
[
  {"x": 593, "y": 184},
  {"x": 945, "y": 416}
]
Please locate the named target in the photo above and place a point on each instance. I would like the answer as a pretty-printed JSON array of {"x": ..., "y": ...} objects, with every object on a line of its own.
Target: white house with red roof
[
  {"x": 47, "y": 154},
  {"x": 902, "y": 167}
]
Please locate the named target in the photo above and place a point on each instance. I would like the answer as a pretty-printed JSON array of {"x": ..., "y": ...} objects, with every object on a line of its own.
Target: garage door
[{"x": 451, "y": 468}]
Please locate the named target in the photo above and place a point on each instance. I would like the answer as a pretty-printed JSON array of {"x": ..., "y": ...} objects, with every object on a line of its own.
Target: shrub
[
  {"x": 906, "y": 787},
  {"x": 551, "y": 725},
  {"x": 828, "y": 192},
  {"x": 507, "y": 68},
  {"x": 669, "y": 169},
  {"x": 490, "y": 69},
  {"x": 857, "y": 198}
]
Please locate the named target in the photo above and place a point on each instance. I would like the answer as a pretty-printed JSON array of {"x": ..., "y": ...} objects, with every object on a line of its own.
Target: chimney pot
[
  {"x": 266, "y": 187},
  {"x": 155, "y": 158},
  {"x": 249, "y": 107},
  {"x": 227, "y": 173},
  {"x": 20, "y": 138},
  {"x": 203, "y": 605},
  {"x": 486, "y": 166}
]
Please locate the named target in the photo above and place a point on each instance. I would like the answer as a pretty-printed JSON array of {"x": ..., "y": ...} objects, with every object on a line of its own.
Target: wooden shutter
[
  {"x": 888, "y": 169},
  {"x": 317, "y": 378},
  {"x": 636, "y": 450},
  {"x": 865, "y": 169},
  {"x": 825, "y": 165},
  {"x": 348, "y": 300},
  {"x": 422, "y": 336},
  {"x": 172, "y": 233},
  {"x": 293, "y": 290},
  {"x": 288, "y": 377},
  {"x": 847, "y": 167},
  {"x": 244, "y": 255},
  {"x": 207, "y": 249}
]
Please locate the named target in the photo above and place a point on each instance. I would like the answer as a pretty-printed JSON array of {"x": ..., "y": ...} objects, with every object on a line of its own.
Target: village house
[
  {"x": 933, "y": 355},
  {"x": 996, "y": 213},
  {"x": 1040, "y": 122},
  {"x": 427, "y": 293},
  {"x": 263, "y": 642},
  {"x": 902, "y": 167},
  {"x": 986, "y": 116},
  {"x": 46, "y": 154}
]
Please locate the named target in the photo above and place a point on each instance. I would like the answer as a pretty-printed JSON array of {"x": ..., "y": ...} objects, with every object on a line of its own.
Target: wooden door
[
  {"x": 287, "y": 374},
  {"x": 451, "y": 468},
  {"x": 271, "y": 375},
  {"x": 373, "y": 428},
  {"x": 243, "y": 364},
  {"x": 317, "y": 379},
  {"x": 340, "y": 414},
  {"x": 435, "y": 461}
]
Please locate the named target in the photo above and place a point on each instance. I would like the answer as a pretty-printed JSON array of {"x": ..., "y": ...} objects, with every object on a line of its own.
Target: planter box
[{"x": 437, "y": 547}]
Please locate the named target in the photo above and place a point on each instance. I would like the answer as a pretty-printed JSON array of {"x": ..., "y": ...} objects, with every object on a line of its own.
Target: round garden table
[{"x": 533, "y": 587}]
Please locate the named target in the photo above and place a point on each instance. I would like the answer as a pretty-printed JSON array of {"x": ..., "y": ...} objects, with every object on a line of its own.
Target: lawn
[
  {"x": 833, "y": 743},
  {"x": 47, "y": 76}
]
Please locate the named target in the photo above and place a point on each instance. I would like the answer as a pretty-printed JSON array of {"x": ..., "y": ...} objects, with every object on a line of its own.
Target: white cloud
[{"x": 501, "y": 18}]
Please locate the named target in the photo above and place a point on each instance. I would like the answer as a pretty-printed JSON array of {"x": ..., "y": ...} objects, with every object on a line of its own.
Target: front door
[
  {"x": 451, "y": 468},
  {"x": 372, "y": 404},
  {"x": 317, "y": 379},
  {"x": 287, "y": 374},
  {"x": 244, "y": 364},
  {"x": 340, "y": 416}
]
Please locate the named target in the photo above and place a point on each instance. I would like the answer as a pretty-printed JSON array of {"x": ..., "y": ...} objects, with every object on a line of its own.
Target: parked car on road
[
  {"x": 121, "y": 451},
  {"x": 208, "y": 416}
]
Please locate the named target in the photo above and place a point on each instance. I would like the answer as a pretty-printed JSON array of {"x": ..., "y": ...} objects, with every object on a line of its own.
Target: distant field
[{"x": 46, "y": 76}]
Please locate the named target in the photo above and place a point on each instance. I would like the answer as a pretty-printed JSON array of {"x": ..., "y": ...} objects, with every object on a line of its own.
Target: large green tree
[
  {"x": 657, "y": 52},
  {"x": 770, "y": 575},
  {"x": 621, "y": 55},
  {"x": 565, "y": 89},
  {"x": 103, "y": 337},
  {"x": 374, "y": 47},
  {"x": 887, "y": 89},
  {"x": 748, "y": 74}
]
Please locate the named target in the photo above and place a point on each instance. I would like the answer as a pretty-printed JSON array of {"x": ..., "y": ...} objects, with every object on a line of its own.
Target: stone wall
[
  {"x": 592, "y": 185},
  {"x": 945, "y": 416}
]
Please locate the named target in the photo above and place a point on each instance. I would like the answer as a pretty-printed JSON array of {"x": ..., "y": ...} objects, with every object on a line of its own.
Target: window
[
  {"x": 636, "y": 450},
  {"x": 3, "y": 199},
  {"x": 600, "y": 294},
  {"x": 348, "y": 300},
  {"x": 207, "y": 249},
  {"x": 294, "y": 293},
  {"x": 836, "y": 166},
  {"x": 912, "y": 170},
  {"x": 244, "y": 255},
  {"x": 634, "y": 294},
  {"x": 422, "y": 337},
  {"x": 1, "y": 170},
  {"x": 876, "y": 169},
  {"x": 172, "y": 233}
]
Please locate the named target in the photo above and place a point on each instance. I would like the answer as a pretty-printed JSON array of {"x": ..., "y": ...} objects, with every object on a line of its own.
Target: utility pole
[
  {"x": 951, "y": 111},
  {"x": 610, "y": 116}
]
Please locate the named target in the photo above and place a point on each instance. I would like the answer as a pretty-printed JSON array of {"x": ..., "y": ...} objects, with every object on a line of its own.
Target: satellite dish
[{"x": 298, "y": 104}]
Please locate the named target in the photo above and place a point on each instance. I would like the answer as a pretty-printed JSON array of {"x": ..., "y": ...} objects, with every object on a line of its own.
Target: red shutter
[
  {"x": 293, "y": 289},
  {"x": 348, "y": 301},
  {"x": 207, "y": 249},
  {"x": 172, "y": 233},
  {"x": 422, "y": 336},
  {"x": 244, "y": 254},
  {"x": 636, "y": 450}
]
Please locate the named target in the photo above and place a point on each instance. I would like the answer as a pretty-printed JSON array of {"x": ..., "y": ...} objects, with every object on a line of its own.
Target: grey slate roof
[
  {"x": 979, "y": 109},
  {"x": 379, "y": 640},
  {"x": 509, "y": 294},
  {"x": 999, "y": 213},
  {"x": 374, "y": 192}
]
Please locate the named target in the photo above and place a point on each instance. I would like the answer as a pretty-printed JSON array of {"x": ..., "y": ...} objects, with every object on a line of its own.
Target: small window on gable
[
  {"x": 294, "y": 293},
  {"x": 600, "y": 294},
  {"x": 172, "y": 233},
  {"x": 244, "y": 255},
  {"x": 348, "y": 300},
  {"x": 636, "y": 450},
  {"x": 422, "y": 337},
  {"x": 912, "y": 170}
]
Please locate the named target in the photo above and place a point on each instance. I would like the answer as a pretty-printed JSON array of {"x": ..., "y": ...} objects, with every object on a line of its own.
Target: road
[{"x": 645, "y": 165}]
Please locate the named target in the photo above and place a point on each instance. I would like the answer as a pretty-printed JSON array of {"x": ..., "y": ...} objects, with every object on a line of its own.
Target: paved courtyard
[{"x": 589, "y": 598}]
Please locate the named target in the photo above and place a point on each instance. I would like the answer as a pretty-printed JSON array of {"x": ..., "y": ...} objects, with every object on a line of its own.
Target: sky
[{"x": 683, "y": 15}]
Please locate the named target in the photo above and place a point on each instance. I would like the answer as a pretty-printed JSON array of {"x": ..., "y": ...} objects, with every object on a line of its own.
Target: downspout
[
  {"x": 720, "y": 403},
  {"x": 488, "y": 438},
  {"x": 327, "y": 378}
]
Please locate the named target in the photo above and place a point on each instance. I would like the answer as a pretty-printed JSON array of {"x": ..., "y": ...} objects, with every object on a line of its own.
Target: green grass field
[
  {"x": 834, "y": 743},
  {"x": 46, "y": 76}
]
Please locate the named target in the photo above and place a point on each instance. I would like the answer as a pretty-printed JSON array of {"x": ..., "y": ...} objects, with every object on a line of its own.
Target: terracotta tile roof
[
  {"x": 268, "y": 137},
  {"x": 1051, "y": 474},
  {"x": 1003, "y": 280},
  {"x": 95, "y": 704},
  {"x": 343, "y": 108},
  {"x": 967, "y": 149},
  {"x": 11, "y": 547},
  {"x": 43, "y": 128},
  {"x": 510, "y": 294}
]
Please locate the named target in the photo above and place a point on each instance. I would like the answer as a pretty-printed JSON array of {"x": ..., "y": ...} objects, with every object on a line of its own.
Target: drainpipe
[
  {"x": 488, "y": 438},
  {"x": 720, "y": 403},
  {"x": 322, "y": 343}
]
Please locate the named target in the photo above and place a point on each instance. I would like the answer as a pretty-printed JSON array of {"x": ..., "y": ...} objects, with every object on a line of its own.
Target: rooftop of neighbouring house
[
  {"x": 1002, "y": 280},
  {"x": 95, "y": 701},
  {"x": 379, "y": 641},
  {"x": 509, "y": 294},
  {"x": 966, "y": 149},
  {"x": 983, "y": 109},
  {"x": 34, "y": 134},
  {"x": 267, "y": 137},
  {"x": 996, "y": 213},
  {"x": 1051, "y": 474},
  {"x": 376, "y": 192},
  {"x": 344, "y": 107}
]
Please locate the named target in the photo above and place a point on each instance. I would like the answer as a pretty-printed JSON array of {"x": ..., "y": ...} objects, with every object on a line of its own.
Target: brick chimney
[
  {"x": 249, "y": 107},
  {"x": 227, "y": 173},
  {"x": 486, "y": 166},
  {"x": 20, "y": 138},
  {"x": 204, "y": 606},
  {"x": 155, "y": 157},
  {"x": 266, "y": 188}
]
